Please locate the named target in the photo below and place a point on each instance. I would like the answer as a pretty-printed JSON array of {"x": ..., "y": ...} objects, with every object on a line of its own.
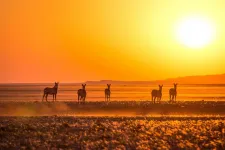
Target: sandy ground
[
  {"x": 114, "y": 108},
  {"x": 115, "y": 125}
]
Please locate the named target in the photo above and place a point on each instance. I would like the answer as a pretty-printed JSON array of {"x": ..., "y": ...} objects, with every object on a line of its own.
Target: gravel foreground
[{"x": 58, "y": 132}]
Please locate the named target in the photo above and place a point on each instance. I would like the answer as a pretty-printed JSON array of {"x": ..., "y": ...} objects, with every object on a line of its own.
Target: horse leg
[
  {"x": 46, "y": 97},
  {"x": 55, "y": 97},
  {"x": 175, "y": 97},
  {"x": 43, "y": 97},
  {"x": 83, "y": 100}
]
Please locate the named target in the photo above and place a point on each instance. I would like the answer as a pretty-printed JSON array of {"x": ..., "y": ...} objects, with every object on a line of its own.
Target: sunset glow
[
  {"x": 75, "y": 41},
  {"x": 195, "y": 32}
]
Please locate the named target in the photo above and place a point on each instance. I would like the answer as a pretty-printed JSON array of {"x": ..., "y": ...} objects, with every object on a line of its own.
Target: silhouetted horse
[
  {"x": 51, "y": 91},
  {"x": 157, "y": 94},
  {"x": 107, "y": 93},
  {"x": 173, "y": 93},
  {"x": 82, "y": 93}
]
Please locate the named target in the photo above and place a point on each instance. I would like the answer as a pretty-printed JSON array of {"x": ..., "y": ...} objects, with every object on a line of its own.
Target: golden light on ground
[{"x": 195, "y": 31}]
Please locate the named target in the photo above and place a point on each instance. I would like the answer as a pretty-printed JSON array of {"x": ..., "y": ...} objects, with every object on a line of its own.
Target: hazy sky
[{"x": 72, "y": 41}]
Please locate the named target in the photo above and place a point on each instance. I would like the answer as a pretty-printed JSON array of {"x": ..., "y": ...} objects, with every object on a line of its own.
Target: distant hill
[
  {"x": 206, "y": 79},
  {"x": 119, "y": 82}
]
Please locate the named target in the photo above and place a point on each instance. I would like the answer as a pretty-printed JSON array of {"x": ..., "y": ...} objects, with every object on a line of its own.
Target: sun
[{"x": 195, "y": 32}]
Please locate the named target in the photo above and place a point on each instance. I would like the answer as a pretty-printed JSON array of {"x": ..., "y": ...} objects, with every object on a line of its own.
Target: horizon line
[{"x": 156, "y": 80}]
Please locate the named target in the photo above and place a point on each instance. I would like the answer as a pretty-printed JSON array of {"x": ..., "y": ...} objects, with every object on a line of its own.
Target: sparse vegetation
[
  {"x": 128, "y": 125},
  {"x": 111, "y": 133}
]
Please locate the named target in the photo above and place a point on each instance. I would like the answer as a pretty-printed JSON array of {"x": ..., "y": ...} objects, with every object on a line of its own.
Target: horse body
[
  {"x": 51, "y": 91},
  {"x": 82, "y": 93},
  {"x": 107, "y": 93},
  {"x": 157, "y": 94},
  {"x": 173, "y": 93}
]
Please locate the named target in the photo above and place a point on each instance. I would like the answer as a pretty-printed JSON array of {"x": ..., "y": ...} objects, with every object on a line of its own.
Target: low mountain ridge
[{"x": 201, "y": 79}]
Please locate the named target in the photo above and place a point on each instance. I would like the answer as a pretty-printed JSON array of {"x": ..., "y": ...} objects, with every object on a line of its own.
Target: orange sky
[{"x": 73, "y": 41}]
